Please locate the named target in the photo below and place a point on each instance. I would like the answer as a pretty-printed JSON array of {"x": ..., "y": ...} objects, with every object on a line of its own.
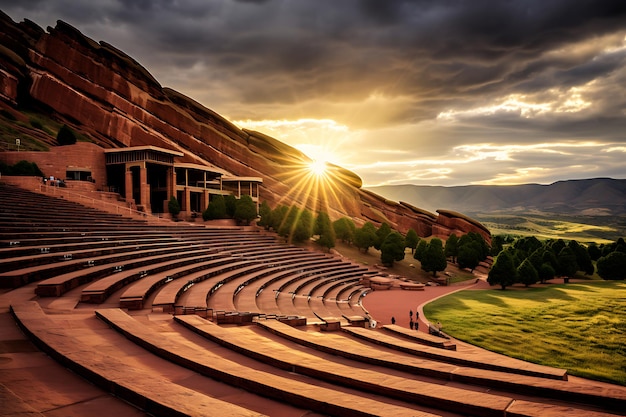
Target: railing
[{"x": 96, "y": 202}]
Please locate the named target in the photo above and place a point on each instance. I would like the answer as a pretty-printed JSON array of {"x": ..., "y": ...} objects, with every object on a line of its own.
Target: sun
[{"x": 317, "y": 167}]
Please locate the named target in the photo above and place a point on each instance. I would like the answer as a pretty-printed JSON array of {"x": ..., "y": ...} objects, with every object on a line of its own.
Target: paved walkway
[{"x": 397, "y": 303}]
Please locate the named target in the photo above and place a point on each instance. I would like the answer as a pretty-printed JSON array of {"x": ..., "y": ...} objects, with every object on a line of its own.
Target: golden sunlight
[{"x": 318, "y": 167}]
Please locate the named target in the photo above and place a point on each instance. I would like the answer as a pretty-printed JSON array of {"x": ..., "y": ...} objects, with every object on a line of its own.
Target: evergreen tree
[
  {"x": 173, "y": 207},
  {"x": 324, "y": 229},
  {"x": 536, "y": 258},
  {"x": 497, "y": 244},
  {"x": 66, "y": 136},
  {"x": 304, "y": 226},
  {"x": 381, "y": 234},
  {"x": 527, "y": 273},
  {"x": 545, "y": 272},
  {"x": 265, "y": 214},
  {"x": 594, "y": 252},
  {"x": 502, "y": 272},
  {"x": 452, "y": 247},
  {"x": 411, "y": 239},
  {"x": 365, "y": 237},
  {"x": 216, "y": 209},
  {"x": 550, "y": 257},
  {"x": 245, "y": 210},
  {"x": 527, "y": 245},
  {"x": 420, "y": 250},
  {"x": 278, "y": 216},
  {"x": 567, "y": 265},
  {"x": 322, "y": 222},
  {"x": 582, "y": 257},
  {"x": 612, "y": 266},
  {"x": 434, "y": 260},
  {"x": 344, "y": 229},
  {"x": 557, "y": 246},
  {"x": 392, "y": 249},
  {"x": 469, "y": 256},
  {"x": 288, "y": 225}
]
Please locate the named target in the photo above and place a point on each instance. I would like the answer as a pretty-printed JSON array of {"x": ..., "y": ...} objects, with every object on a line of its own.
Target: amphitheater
[{"x": 110, "y": 315}]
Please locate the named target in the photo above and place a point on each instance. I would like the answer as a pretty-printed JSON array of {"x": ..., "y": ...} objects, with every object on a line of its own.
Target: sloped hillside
[
  {"x": 590, "y": 196},
  {"x": 59, "y": 76}
]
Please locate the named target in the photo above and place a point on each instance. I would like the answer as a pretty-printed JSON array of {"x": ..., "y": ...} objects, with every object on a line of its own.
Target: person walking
[{"x": 393, "y": 320}]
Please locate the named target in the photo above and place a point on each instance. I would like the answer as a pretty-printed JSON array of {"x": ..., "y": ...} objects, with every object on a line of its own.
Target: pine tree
[
  {"x": 392, "y": 249},
  {"x": 411, "y": 239},
  {"x": 365, "y": 237},
  {"x": 304, "y": 226},
  {"x": 452, "y": 247},
  {"x": 325, "y": 231},
  {"x": 503, "y": 271},
  {"x": 434, "y": 259},
  {"x": 265, "y": 214},
  {"x": 344, "y": 229},
  {"x": 381, "y": 234},
  {"x": 245, "y": 210},
  {"x": 527, "y": 273}
]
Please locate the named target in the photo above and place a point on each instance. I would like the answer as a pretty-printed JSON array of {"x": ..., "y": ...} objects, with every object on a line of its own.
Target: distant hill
[{"x": 591, "y": 197}]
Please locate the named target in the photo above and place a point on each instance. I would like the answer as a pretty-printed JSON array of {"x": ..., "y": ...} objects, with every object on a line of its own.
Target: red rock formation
[{"x": 105, "y": 94}]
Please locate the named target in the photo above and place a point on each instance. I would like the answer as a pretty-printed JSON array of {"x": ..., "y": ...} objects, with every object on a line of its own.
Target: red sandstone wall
[
  {"x": 61, "y": 158},
  {"x": 105, "y": 94}
]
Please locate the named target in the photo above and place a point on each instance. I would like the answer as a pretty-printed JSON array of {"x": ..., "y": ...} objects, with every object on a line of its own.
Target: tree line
[
  {"x": 528, "y": 260},
  {"x": 300, "y": 225}
]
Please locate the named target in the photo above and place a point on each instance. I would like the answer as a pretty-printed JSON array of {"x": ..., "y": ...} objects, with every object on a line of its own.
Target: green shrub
[
  {"x": 36, "y": 124},
  {"x": 22, "y": 169},
  {"x": 173, "y": 207},
  {"x": 66, "y": 136}
]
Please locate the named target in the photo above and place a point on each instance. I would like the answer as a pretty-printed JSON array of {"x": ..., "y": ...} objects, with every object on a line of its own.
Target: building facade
[{"x": 144, "y": 176}]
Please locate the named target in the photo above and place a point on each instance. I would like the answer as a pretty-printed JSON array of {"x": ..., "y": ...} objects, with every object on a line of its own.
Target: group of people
[
  {"x": 415, "y": 324},
  {"x": 412, "y": 324},
  {"x": 53, "y": 181}
]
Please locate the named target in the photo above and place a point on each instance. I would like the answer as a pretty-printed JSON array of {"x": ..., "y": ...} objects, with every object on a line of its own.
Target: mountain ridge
[{"x": 591, "y": 196}]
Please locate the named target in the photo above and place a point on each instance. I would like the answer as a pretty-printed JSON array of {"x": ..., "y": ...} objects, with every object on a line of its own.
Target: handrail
[{"x": 96, "y": 203}]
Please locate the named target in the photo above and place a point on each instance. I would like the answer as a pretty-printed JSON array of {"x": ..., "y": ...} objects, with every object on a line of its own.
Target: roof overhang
[
  {"x": 144, "y": 148},
  {"x": 242, "y": 179}
]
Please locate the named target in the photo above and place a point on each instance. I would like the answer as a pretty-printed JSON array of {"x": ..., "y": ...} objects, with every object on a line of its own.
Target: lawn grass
[{"x": 580, "y": 327}]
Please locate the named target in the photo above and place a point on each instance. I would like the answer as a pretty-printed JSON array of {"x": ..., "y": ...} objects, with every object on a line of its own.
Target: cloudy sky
[{"x": 429, "y": 92}]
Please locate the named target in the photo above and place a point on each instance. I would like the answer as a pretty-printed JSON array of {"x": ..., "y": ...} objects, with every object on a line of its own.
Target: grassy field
[
  {"x": 580, "y": 327},
  {"x": 543, "y": 225}
]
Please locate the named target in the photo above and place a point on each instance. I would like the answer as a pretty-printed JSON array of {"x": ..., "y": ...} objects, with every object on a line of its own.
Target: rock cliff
[{"x": 106, "y": 95}]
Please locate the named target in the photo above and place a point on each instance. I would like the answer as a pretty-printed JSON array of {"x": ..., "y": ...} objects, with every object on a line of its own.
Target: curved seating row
[
  {"x": 315, "y": 397},
  {"x": 244, "y": 276},
  {"x": 132, "y": 382}
]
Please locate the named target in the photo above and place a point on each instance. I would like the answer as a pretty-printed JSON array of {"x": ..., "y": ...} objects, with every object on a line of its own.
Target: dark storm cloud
[
  {"x": 373, "y": 64},
  {"x": 352, "y": 48}
]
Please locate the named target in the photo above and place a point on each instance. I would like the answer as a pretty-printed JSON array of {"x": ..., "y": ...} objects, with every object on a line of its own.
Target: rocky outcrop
[
  {"x": 109, "y": 97},
  {"x": 450, "y": 221}
]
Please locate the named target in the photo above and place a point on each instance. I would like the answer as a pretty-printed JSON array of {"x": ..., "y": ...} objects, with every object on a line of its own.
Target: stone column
[
  {"x": 186, "y": 206},
  {"x": 144, "y": 188},
  {"x": 128, "y": 184},
  {"x": 205, "y": 199}
]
